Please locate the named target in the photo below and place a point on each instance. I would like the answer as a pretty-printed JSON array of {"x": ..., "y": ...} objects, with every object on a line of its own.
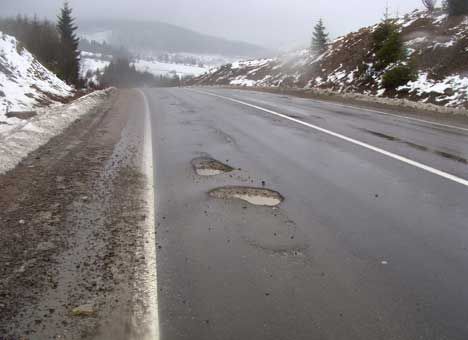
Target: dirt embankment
[
  {"x": 434, "y": 45},
  {"x": 75, "y": 242}
]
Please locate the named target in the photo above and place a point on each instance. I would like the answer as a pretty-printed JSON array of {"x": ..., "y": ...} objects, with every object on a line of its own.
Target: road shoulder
[{"x": 75, "y": 247}]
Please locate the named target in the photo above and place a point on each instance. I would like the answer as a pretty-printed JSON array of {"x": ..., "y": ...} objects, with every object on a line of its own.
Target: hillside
[
  {"x": 24, "y": 82},
  {"x": 157, "y": 37},
  {"x": 436, "y": 45}
]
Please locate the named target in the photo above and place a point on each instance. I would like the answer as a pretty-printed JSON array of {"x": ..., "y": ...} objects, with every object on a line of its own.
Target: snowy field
[
  {"x": 100, "y": 36},
  {"x": 95, "y": 62},
  {"x": 158, "y": 68},
  {"x": 92, "y": 62}
]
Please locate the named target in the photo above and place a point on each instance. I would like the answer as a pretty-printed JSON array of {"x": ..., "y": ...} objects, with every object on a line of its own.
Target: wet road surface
[{"x": 364, "y": 245}]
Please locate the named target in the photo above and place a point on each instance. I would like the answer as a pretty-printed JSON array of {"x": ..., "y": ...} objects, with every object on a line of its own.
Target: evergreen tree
[
  {"x": 388, "y": 45},
  {"x": 319, "y": 38},
  {"x": 69, "y": 61},
  {"x": 457, "y": 7}
]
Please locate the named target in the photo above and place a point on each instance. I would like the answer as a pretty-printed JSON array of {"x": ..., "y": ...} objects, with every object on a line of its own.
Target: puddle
[
  {"x": 205, "y": 166},
  {"x": 255, "y": 196}
]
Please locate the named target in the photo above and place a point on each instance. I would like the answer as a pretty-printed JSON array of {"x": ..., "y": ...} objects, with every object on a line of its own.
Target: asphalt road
[{"x": 371, "y": 241}]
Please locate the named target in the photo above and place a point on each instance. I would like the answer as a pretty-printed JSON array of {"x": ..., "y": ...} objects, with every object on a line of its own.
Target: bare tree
[{"x": 430, "y": 4}]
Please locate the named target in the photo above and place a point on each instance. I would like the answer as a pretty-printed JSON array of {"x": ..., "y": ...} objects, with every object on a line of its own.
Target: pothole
[
  {"x": 205, "y": 166},
  {"x": 255, "y": 196}
]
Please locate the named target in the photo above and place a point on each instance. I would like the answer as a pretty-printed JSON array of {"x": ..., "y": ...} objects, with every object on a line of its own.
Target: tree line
[
  {"x": 55, "y": 45},
  {"x": 123, "y": 74},
  {"x": 40, "y": 37},
  {"x": 104, "y": 49}
]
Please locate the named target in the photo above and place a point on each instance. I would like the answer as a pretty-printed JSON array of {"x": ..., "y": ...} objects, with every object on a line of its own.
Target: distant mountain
[{"x": 159, "y": 37}]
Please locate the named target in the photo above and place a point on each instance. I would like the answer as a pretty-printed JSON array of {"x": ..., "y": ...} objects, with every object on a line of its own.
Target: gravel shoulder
[{"x": 77, "y": 240}]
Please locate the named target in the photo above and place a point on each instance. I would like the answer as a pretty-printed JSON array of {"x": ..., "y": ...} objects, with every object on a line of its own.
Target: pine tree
[
  {"x": 392, "y": 50},
  {"x": 69, "y": 61},
  {"x": 319, "y": 38}
]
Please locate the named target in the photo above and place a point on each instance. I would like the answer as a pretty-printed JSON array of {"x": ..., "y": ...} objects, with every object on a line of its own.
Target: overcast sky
[{"x": 274, "y": 23}]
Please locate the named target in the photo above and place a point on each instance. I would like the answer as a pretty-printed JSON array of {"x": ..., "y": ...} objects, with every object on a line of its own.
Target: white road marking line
[
  {"x": 350, "y": 140},
  {"x": 455, "y": 127},
  {"x": 148, "y": 168},
  {"x": 402, "y": 117}
]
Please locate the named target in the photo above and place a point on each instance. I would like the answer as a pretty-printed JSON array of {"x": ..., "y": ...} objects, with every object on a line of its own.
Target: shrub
[{"x": 398, "y": 76}]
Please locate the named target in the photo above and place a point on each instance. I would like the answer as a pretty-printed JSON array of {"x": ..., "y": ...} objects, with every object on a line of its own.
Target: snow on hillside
[
  {"x": 436, "y": 44},
  {"x": 160, "y": 68},
  {"x": 24, "y": 82},
  {"x": 93, "y": 62}
]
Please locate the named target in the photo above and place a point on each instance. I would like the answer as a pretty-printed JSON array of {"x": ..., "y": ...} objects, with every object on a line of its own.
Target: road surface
[{"x": 371, "y": 241}]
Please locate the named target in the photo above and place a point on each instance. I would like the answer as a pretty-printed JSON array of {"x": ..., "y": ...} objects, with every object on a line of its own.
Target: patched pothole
[
  {"x": 255, "y": 196},
  {"x": 205, "y": 166}
]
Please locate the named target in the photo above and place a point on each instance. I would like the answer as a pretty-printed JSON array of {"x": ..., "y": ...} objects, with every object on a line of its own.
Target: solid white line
[
  {"x": 152, "y": 315},
  {"x": 455, "y": 127},
  {"x": 350, "y": 140}
]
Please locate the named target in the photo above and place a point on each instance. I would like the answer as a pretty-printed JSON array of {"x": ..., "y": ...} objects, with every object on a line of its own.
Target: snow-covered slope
[
  {"x": 436, "y": 44},
  {"x": 24, "y": 82}
]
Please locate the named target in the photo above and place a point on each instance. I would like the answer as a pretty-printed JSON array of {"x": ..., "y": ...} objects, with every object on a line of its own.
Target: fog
[{"x": 271, "y": 23}]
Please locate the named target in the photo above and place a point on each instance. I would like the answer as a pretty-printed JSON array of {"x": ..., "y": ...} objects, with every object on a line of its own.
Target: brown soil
[{"x": 440, "y": 52}]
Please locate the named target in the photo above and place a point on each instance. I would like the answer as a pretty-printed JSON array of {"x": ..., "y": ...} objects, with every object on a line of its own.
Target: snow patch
[
  {"x": 242, "y": 81},
  {"x": 159, "y": 68},
  {"x": 452, "y": 89},
  {"x": 92, "y": 65},
  {"x": 24, "y": 137}
]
